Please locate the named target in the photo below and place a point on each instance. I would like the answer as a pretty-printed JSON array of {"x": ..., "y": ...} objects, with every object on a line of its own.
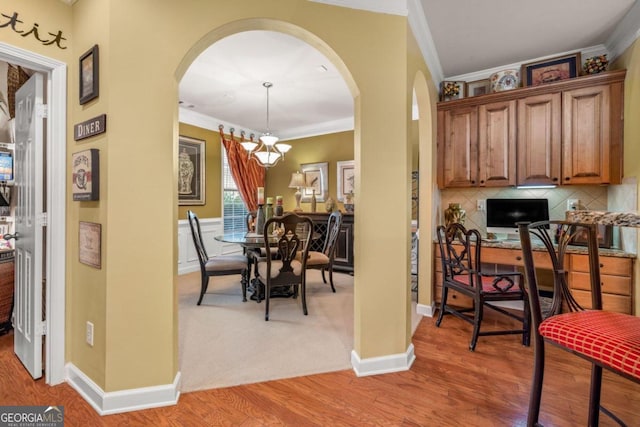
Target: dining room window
[{"x": 234, "y": 211}]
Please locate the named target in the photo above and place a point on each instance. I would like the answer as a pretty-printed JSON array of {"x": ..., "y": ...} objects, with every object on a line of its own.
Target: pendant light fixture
[{"x": 268, "y": 151}]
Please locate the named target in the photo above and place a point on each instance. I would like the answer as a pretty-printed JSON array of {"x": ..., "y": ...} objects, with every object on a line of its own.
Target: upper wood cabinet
[{"x": 562, "y": 133}]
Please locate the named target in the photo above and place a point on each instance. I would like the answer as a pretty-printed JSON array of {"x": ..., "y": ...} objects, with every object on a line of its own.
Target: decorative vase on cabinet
[{"x": 454, "y": 213}]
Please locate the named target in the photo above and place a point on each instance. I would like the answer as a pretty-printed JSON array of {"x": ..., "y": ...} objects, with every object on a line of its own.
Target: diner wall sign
[{"x": 91, "y": 127}]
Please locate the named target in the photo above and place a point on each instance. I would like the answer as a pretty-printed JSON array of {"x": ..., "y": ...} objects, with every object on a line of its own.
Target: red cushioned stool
[{"x": 606, "y": 339}]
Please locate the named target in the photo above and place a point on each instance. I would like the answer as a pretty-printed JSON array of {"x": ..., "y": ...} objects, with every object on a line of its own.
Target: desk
[{"x": 616, "y": 270}]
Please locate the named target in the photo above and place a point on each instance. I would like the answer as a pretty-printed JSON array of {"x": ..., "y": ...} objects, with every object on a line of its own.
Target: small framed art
[
  {"x": 551, "y": 70},
  {"x": 478, "y": 87},
  {"x": 89, "y": 75},
  {"x": 89, "y": 244},
  {"x": 346, "y": 179},
  {"x": 317, "y": 179},
  {"x": 85, "y": 185},
  {"x": 191, "y": 174}
]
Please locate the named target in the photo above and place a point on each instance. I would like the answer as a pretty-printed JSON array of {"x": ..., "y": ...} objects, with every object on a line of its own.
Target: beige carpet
[{"x": 226, "y": 342}]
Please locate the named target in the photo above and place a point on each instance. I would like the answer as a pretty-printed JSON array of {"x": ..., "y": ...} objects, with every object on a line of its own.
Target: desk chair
[
  {"x": 286, "y": 267},
  {"x": 460, "y": 250},
  {"x": 606, "y": 339},
  {"x": 323, "y": 261},
  {"x": 222, "y": 265}
]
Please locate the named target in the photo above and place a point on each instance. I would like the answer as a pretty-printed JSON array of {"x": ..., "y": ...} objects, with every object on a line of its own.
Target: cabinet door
[
  {"x": 458, "y": 147},
  {"x": 497, "y": 144},
  {"x": 585, "y": 135},
  {"x": 343, "y": 257},
  {"x": 539, "y": 140}
]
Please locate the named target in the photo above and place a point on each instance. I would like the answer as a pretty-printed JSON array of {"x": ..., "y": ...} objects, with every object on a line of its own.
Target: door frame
[{"x": 55, "y": 247}]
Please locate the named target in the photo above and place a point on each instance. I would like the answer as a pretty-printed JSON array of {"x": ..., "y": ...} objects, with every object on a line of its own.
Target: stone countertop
[
  {"x": 618, "y": 219},
  {"x": 572, "y": 249}
]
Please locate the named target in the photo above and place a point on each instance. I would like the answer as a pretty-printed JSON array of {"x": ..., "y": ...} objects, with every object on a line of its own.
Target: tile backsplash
[{"x": 621, "y": 198}]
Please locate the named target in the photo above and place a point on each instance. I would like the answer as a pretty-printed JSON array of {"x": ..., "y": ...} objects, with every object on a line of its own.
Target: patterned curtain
[{"x": 247, "y": 174}]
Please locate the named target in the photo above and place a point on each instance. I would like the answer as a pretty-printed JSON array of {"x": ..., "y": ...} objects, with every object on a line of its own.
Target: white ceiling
[{"x": 458, "y": 38}]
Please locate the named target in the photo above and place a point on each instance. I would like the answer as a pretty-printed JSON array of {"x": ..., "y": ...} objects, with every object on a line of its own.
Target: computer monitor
[{"x": 504, "y": 214}]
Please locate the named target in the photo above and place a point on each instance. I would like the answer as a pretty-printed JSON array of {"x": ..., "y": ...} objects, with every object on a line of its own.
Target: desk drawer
[
  {"x": 619, "y": 285},
  {"x": 608, "y": 265},
  {"x": 610, "y": 302},
  {"x": 514, "y": 257}
]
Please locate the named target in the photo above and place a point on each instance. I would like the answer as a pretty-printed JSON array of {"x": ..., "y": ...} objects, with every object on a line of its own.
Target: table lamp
[{"x": 297, "y": 181}]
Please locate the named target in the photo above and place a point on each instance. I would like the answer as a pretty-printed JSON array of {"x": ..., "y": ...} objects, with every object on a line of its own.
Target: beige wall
[
  {"x": 630, "y": 60},
  {"x": 145, "y": 48},
  {"x": 330, "y": 148},
  {"x": 213, "y": 173}
]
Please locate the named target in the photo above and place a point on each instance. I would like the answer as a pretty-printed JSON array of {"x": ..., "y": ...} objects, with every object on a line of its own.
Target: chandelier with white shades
[{"x": 267, "y": 152}]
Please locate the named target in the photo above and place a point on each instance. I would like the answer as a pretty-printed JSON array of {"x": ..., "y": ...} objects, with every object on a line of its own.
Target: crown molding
[
  {"x": 420, "y": 29},
  {"x": 391, "y": 7},
  {"x": 193, "y": 118},
  {"x": 626, "y": 32},
  {"x": 334, "y": 126}
]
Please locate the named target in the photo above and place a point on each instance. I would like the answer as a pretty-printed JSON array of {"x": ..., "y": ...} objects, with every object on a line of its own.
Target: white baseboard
[
  {"x": 107, "y": 403},
  {"x": 384, "y": 364},
  {"x": 425, "y": 310}
]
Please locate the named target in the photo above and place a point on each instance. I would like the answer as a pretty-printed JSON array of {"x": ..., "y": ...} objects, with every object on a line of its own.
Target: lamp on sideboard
[{"x": 297, "y": 181}]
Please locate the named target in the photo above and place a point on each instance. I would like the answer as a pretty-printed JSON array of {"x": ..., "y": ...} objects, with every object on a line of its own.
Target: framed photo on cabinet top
[
  {"x": 478, "y": 87},
  {"x": 551, "y": 70}
]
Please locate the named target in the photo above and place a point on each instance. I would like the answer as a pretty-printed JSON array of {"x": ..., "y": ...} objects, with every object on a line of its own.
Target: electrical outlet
[
  {"x": 481, "y": 205},
  {"x": 90, "y": 333},
  {"x": 573, "y": 204}
]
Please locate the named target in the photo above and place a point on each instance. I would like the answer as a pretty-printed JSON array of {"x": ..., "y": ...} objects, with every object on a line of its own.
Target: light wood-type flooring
[{"x": 446, "y": 386}]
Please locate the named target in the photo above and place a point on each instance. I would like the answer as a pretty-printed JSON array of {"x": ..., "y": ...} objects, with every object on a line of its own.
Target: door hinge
[
  {"x": 42, "y": 328},
  {"x": 43, "y": 219},
  {"x": 42, "y": 111}
]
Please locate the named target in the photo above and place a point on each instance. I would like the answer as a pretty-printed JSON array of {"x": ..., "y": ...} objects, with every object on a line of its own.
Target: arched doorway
[{"x": 285, "y": 28}]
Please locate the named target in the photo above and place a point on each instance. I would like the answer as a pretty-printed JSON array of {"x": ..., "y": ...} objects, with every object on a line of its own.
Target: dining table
[{"x": 251, "y": 241}]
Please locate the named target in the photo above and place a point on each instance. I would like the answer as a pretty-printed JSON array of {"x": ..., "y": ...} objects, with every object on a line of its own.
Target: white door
[{"x": 28, "y": 315}]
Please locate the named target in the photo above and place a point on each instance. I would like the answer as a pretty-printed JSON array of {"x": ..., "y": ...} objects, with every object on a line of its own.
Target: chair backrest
[
  {"x": 565, "y": 233},
  {"x": 333, "y": 229},
  {"x": 196, "y": 233},
  {"x": 460, "y": 252},
  {"x": 292, "y": 244}
]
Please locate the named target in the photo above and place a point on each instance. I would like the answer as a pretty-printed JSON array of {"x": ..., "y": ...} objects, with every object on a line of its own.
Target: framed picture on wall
[
  {"x": 551, "y": 70},
  {"x": 90, "y": 242},
  {"x": 346, "y": 179},
  {"x": 191, "y": 174},
  {"x": 89, "y": 75},
  {"x": 316, "y": 176}
]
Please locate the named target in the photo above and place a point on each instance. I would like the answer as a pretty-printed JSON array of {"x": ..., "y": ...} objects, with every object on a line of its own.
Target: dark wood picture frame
[
  {"x": 605, "y": 237},
  {"x": 89, "y": 75},
  {"x": 191, "y": 171},
  {"x": 85, "y": 177},
  {"x": 551, "y": 70}
]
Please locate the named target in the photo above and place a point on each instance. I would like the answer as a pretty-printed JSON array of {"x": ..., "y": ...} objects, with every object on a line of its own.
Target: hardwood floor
[{"x": 446, "y": 386}]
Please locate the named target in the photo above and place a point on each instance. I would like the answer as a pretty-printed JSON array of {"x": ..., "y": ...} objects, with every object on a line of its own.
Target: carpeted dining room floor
[{"x": 225, "y": 342}]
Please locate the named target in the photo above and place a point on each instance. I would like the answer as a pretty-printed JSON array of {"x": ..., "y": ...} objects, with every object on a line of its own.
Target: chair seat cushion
[
  {"x": 317, "y": 258},
  {"x": 276, "y": 265},
  {"x": 493, "y": 284},
  {"x": 226, "y": 262},
  {"x": 613, "y": 339}
]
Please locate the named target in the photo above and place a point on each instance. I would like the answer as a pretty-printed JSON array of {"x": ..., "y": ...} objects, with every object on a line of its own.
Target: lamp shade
[{"x": 297, "y": 180}]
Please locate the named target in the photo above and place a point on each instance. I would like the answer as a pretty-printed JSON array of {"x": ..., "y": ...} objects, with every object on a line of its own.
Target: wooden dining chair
[
  {"x": 606, "y": 339},
  {"x": 221, "y": 265},
  {"x": 323, "y": 260},
  {"x": 460, "y": 251},
  {"x": 287, "y": 266}
]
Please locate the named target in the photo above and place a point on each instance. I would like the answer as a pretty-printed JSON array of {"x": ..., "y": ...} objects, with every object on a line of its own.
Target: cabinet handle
[
  {"x": 601, "y": 265},
  {"x": 473, "y": 182},
  {"x": 566, "y": 178},
  {"x": 482, "y": 182},
  {"x": 518, "y": 258},
  {"x": 554, "y": 179}
]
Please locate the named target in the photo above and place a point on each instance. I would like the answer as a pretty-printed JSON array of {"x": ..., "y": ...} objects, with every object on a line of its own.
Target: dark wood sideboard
[{"x": 344, "y": 248}]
